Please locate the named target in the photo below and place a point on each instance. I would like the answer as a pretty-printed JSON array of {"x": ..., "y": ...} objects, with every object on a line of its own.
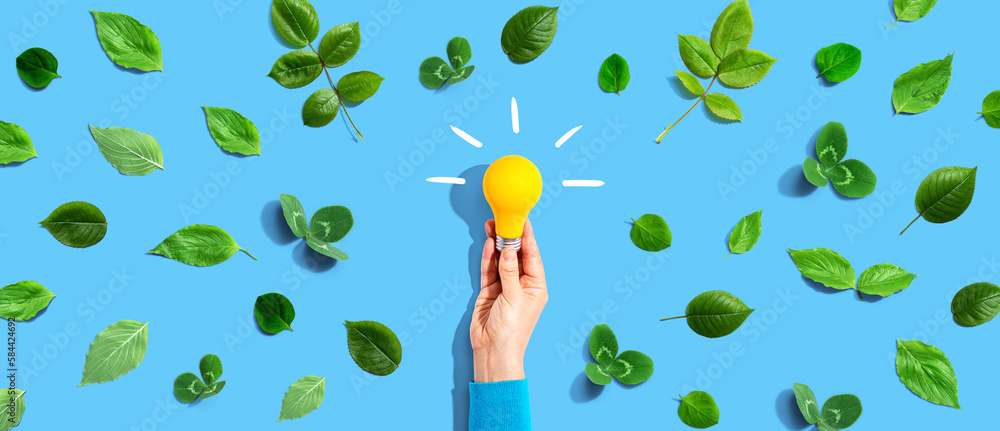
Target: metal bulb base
[{"x": 503, "y": 243}]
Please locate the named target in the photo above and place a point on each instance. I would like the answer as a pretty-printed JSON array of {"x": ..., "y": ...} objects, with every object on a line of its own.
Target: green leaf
[
  {"x": 698, "y": 56},
  {"x": 23, "y": 300},
  {"x": 603, "y": 345},
  {"x": 991, "y": 109},
  {"x": 459, "y": 52},
  {"x": 302, "y": 397},
  {"x": 927, "y": 372},
  {"x": 232, "y": 131},
  {"x": 12, "y": 419},
  {"x": 37, "y": 67},
  {"x": 698, "y": 410},
  {"x": 210, "y": 368},
  {"x": 807, "y": 402},
  {"x": 841, "y": 411},
  {"x": 614, "y": 74},
  {"x": 716, "y": 314},
  {"x": 325, "y": 249},
  {"x": 631, "y": 367},
  {"x": 274, "y": 313},
  {"x": 852, "y": 178},
  {"x": 831, "y": 144},
  {"x": 912, "y": 10},
  {"x": 296, "y": 21},
  {"x": 733, "y": 29},
  {"x": 296, "y": 69},
  {"x": 199, "y": 245},
  {"x": 320, "y": 108},
  {"x": 374, "y": 347},
  {"x": 922, "y": 87},
  {"x": 118, "y": 349},
  {"x": 529, "y": 33},
  {"x": 127, "y": 42},
  {"x": 213, "y": 389},
  {"x": 77, "y": 224},
  {"x": 650, "y": 233},
  {"x": 187, "y": 387},
  {"x": 597, "y": 374},
  {"x": 744, "y": 68},
  {"x": 461, "y": 74},
  {"x": 884, "y": 279},
  {"x": 434, "y": 72},
  {"x": 745, "y": 234},
  {"x": 976, "y": 304},
  {"x": 824, "y": 266},
  {"x": 129, "y": 151},
  {"x": 358, "y": 86},
  {"x": 945, "y": 194},
  {"x": 340, "y": 44},
  {"x": 690, "y": 83},
  {"x": 331, "y": 224},
  {"x": 294, "y": 215},
  {"x": 15, "y": 144},
  {"x": 723, "y": 106},
  {"x": 815, "y": 172},
  {"x": 838, "y": 62}
]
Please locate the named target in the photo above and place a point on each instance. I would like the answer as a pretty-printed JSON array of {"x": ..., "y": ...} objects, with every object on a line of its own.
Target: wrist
[{"x": 491, "y": 367}]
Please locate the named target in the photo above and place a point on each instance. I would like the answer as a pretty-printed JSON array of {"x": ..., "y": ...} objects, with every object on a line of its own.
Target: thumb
[{"x": 509, "y": 273}]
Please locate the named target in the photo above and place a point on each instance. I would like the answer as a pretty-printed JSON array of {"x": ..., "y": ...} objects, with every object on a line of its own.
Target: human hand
[{"x": 511, "y": 299}]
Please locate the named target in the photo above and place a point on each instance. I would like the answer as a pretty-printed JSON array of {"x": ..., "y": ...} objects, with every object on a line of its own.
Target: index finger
[{"x": 488, "y": 274}]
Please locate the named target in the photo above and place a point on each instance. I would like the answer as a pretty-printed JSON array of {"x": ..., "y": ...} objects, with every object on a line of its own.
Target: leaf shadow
[
  {"x": 32, "y": 89},
  {"x": 819, "y": 287},
  {"x": 715, "y": 118},
  {"x": 811, "y": 144},
  {"x": 312, "y": 261},
  {"x": 793, "y": 183},
  {"x": 41, "y": 312},
  {"x": 630, "y": 387},
  {"x": 788, "y": 411},
  {"x": 680, "y": 89},
  {"x": 14, "y": 164},
  {"x": 871, "y": 299},
  {"x": 272, "y": 219},
  {"x": 583, "y": 390}
]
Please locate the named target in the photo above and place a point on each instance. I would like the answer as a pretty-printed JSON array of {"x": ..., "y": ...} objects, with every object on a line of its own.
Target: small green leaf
[
  {"x": 77, "y": 224},
  {"x": 698, "y": 56},
  {"x": 922, "y": 87},
  {"x": 23, "y": 300},
  {"x": 927, "y": 372},
  {"x": 15, "y": 144},
  {"x": 320, "y": 108},
  {"x": 715, "y": 314},
  {"x": 340, "y": 44},
  {"x": 127, "y": 42},
  {"x": 614, "y": 74},
  {"x": 296, "y": 21},
  {"x": 295, "y": 216},
  {"x": 911, "y": 10},
  {"x": 884, "y": 279},
  {"x": 302, "y": 397},
  {"x": 807, "y": 402},
  {"x": 461, "y": 74},
  {"x": 37, "y": 67},
  {"x": 745, "y": 234},
  {"x": 597, "y": 374},
  {"x": 374, "y": 347},
  {"x": 945, "y": 194},
  {"x": 434, "y": 72},
  {"x": 199, "y": 245},
  {"x": 529, "y": 33},
  {"x": 650, "y": 233},
  {"x": 296, "y": 69},
  {"x": 831, "y": 144},
  {"x": 852, "y": 178},
  {"x": 824, "y": 266},
  {"x": 838, "y": 62},
  {"x": 690, "y": 82},
  {"x": 841, "y": 411},
  {"x": 976, "y": 304},
  {"x": 274, "y": 313},
  {"x": 358, "y": 86},
  {"x": 459, "y": 52},
  {"x": 187, "y": 387},
  {"x": 129, "y": 151},
  {"x": 210, "y": 368},
  {"x": 991, "y": 109},
  {"x": 744, "y": 68},
  {"x": 733, "y": 29},
  {"x": 118, "y": 349},
  {"x": 213, "y": 389},
  {"x": 631, "y": 367},
  {"x": 723, "y": 106},
  {"x": 815, "y": 172},
  {"x": 325, "y": 249},
  {"x": 603, "y": 345},
  {"x": 331, "y": 224},
  {"x": 698, "y": 410},
  {"x": 232, "y": 131},
  {"x": 15, "y": 401}
]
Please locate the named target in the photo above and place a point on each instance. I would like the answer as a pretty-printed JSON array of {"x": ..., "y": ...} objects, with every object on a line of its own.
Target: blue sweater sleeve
[{"x": 500, "y": 406}]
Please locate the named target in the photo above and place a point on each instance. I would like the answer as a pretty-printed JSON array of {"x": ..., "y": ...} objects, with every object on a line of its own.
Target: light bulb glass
[{"x": 512, "y": 186}]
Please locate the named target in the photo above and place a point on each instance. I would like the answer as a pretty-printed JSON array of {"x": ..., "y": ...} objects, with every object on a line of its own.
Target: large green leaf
[
  {"x": 946, "y": 193},
  {"x": 324, "y": 248},
  {"x": 188, "y": 387},
  {"x": 631, "y": 367},
  {"x": 340, "y": 44},
  {"x": 690, "y": 82},
  {"x": 884, "y": 279},
  {"x": 15, "y": 400},
  {"x": 15, "y": 144},
  {"x": 320, "y": 108},
  {"x": 922, "y": 87},
  {"x": 129, "y": 151},
  {"x": 603, "y": 345},
  {"x": 852, "y": 178},
  {"x": 127, "y": 42},
  {"x": 831, "y": 144},
  {"x": 815, "y": 172},
  {"x": 746, "y": 233},
  {"x": 912, "y": 10},
  {"x": 698, "y": 410},
  {"x": 37, "y": 67},
  {"x": 650, "y": 233},
  {"x": 77, "y": 224},
  {"x": 716, "y": 313},
  {"x": 296, "y": 21},
  {"x": 529, "y": 32},
  {"x": 358, "y": 86},
  {"x": 459, "y": 52},
  {"x": 733, "y": 29},
  {"x": 374, "y": 347},
  {"x": 744, "y": 68},
  {"x": 991, "y": 109},
  {"x": 698, "y": 56},
  {"x": 23, "y": 300},
  {"x": 614, "y": 74},
  {"x": 927, "y": 372},
  {"x": 199, "y": 245},
  {"x": 118, "y": 349},
  {"x": 302, "y": 397},
  {"x": 295, "y": 216},
  {"x": 296, "y": 69},
  {"x": 824, "y": 266},
  {"x": 838, "y": 62},
  {"x": 434, "y": 72},
  {"x": 723, "y": 106},
  {"x": 976, "y": 304},
  {"x": 232, "y": 131},
  {"x": 597, "y": 374},
  {"x": 807, "y": 402},
  {"x": 841, "y": 411},
  {"x": 274, "y": 313},
  {"x": 331, "y": 224}
]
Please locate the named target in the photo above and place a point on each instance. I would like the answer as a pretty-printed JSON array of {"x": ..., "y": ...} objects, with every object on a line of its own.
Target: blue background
[{"x": 416, "y": 244}]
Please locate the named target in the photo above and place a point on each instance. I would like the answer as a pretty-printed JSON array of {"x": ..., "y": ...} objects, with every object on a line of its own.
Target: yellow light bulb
[{"x": 512, "y": 186}]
